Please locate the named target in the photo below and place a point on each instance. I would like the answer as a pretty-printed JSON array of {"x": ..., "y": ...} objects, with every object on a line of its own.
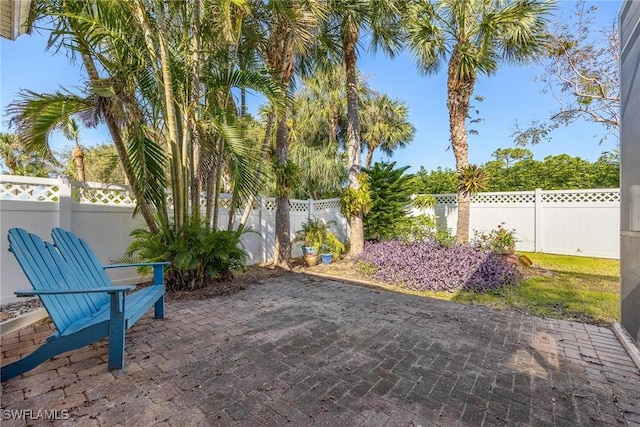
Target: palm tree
[
  {"x": 143, "y": 66},
  {"x": 20, "y": 161},
  {"x": 10, "y": 152},
  {"x": 385, "y": 125},
  {"x": 288, "y": 36},
  {"x": 473, "y": 37},
  {"x": 348, "y": 18}
]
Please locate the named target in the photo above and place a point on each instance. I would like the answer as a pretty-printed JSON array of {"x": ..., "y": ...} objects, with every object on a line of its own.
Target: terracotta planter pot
[{"x": 311, "y": 259}]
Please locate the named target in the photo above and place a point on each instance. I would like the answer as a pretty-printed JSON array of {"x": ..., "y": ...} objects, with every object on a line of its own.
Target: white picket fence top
[
  {"x": 548, "y": 196},
  {"x": 32, "y": 189}
]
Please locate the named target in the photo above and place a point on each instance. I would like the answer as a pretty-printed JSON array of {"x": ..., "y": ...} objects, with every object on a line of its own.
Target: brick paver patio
[{"x": 300, "y": 350}]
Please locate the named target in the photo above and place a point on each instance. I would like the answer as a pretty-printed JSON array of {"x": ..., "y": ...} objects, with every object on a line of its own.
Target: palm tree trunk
[
  {"x": 116, "y": 136},
  {"x": 78, "y": 157},
  {"x": 209, "y": 173},
  {"x": 216, "y": 183},
  {"x": 369, "y": 157},
  {"x": 459, "y": 93},
  {"x": 283, "y": 223},
  {"x": 349, "y": 41},
  {"x": 175, "y": 158},
  {"x": 173, "y": 148},
  {"x": 194, "y": 153}
]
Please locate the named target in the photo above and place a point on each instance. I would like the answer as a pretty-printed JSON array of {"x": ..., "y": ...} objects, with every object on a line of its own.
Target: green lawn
[{"x": 559, "y": 286}]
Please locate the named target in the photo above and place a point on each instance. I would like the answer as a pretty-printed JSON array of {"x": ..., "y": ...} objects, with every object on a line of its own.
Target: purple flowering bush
[{"x": 429, "y": 266}]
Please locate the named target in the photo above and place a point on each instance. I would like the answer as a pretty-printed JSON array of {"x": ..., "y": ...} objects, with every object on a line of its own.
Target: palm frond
[{"x": 36, "y": 116}]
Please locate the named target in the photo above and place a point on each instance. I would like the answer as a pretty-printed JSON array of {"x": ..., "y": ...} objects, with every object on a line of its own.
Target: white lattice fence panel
[
  {"x": 581, "y": 197},
  {"x": 503, "y": 198},
  {"x": 224, "y": 201},
  {"x": 119, "y": 196},
  {"x": 445, "y": 199},
  {"x": 270, "y": 205},
  {"x": 298, "y": 205},
  {"x": 29, "y": 192},
  {"x": 326, "y": 204}
]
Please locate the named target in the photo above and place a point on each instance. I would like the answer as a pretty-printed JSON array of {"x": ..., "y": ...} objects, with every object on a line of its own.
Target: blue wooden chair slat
[
  {"x": 78, "y": 253},
  {"x": 97, "y": 299},
  {"x": 85, "y": 308},
  {"x": 43, "y": 273}
]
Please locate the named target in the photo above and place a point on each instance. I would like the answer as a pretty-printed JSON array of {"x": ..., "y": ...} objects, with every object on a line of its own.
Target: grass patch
[{"x": 560, "y": 286}]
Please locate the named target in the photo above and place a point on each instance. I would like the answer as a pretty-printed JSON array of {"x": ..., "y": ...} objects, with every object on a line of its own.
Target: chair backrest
[
  {"x": 77, "y": 253},
  {"x": 45, "y": 269}
]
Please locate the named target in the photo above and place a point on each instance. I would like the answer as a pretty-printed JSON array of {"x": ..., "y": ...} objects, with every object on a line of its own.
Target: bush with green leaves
[
  {"x": 391, "y": 198},
  {"x": 199, "y": 256},
  {"x": 500, "y": 240}
]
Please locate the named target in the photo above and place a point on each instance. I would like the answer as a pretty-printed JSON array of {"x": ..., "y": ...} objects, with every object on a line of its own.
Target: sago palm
[{"x": 472, "y": 38}]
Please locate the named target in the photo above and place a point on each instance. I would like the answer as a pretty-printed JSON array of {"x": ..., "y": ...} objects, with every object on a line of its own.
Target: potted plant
[
  {"x": 332, "y": 247},
  {"x": 326, "y": 255},
  {"x": 312, "y": 234}
]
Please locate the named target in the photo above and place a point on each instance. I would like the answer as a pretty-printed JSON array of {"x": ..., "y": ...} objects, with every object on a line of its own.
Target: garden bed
[{"x": 558, "y": 286}]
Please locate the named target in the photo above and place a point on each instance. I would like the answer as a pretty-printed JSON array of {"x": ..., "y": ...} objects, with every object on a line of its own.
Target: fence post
[
  {"x": 538, "y": 221},
  {"x": 309, "y": 209},
  {"x": 263, "y": 241},
  {"x": 64, "y": 203}
]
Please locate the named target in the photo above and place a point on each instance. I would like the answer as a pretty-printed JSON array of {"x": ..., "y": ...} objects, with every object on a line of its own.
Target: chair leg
[
  {"x": 53, "y": 346},
  {"x": 159, "y": 308},
  {"x": 116, "y": 333}
]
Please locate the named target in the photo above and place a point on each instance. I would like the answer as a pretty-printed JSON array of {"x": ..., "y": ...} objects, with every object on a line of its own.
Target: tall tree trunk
[
  {"x": 116, "y": 136},
  {"x": 283, "y": 222},
  {"x": 78, "y": 157},
  {"x": 216, "y": 182},
  {"x": 194, "y": 152},
  {"x": 175, "y": 157},
  {"x": 370, "y": 150},
  {"x": 173, "y": 148},
  {"x": 349, "y": 41},
  {"x": 458, "y": 95},
  {"x": 280, "y": 57},
  {"x": 209, "y": 174}
]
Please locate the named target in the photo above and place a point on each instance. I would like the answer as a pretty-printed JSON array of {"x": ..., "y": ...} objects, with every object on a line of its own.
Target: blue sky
[{"x": 510, "y": 95}]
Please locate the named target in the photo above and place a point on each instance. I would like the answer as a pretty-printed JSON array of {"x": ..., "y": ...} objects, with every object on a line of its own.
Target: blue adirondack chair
[{"x": 83, "y": 311}]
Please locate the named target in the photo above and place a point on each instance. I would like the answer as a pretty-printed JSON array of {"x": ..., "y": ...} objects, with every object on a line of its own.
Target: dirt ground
[{"x": 340, "y": 268}]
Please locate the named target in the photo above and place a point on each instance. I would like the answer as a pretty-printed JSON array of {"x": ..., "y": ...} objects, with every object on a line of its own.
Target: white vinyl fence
[
  {"x": 102, "y": 214},
  {"x": 567, "y": 222}
]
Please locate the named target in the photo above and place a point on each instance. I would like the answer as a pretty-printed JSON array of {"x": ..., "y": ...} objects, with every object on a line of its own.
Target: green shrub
[
  {"x": 333, "y": 245},
  {"x": 199, "y": 256},
  {"x": 499, "y": 240},
  {"x": 414, "y": 229},
  {"x": 391, "y": 198}
]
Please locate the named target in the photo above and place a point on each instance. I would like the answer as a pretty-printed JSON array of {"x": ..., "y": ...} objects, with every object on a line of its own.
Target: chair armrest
[
  {"x": 109, "y": 290},
  {"x": 143, "y": 264},
  {"x": 158, "y": 270}
]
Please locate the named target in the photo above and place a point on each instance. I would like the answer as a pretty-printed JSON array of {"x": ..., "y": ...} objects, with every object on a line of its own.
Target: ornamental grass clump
[{"x": 429, "y": 266}]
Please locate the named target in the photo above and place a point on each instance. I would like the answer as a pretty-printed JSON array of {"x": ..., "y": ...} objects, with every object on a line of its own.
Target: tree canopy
[{"x": 559, "y": 172}]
